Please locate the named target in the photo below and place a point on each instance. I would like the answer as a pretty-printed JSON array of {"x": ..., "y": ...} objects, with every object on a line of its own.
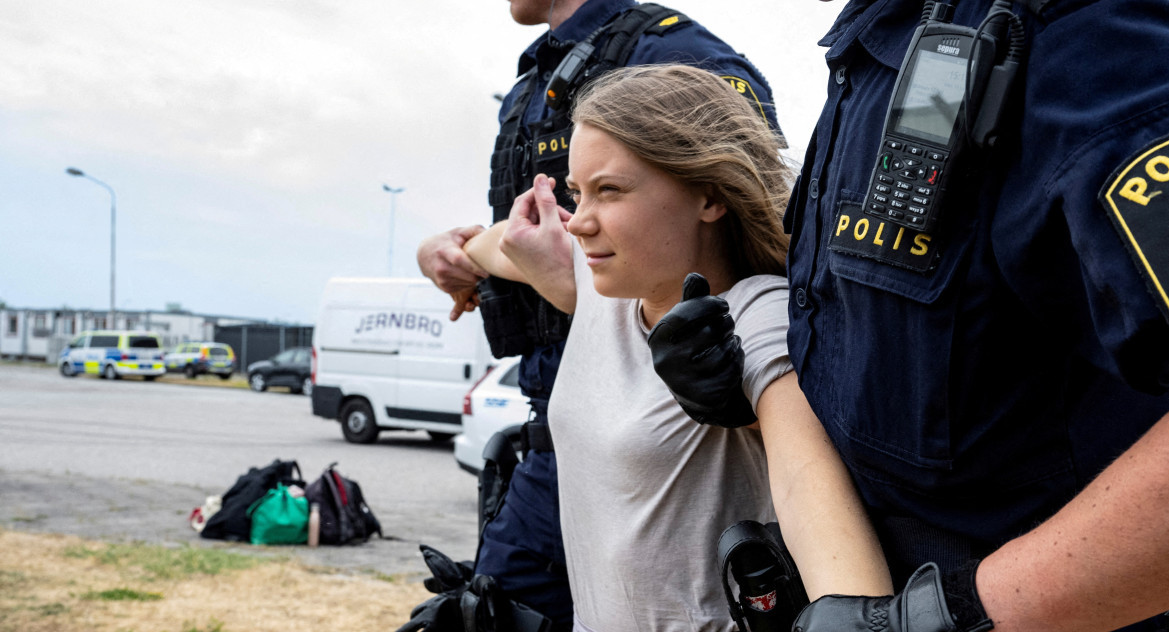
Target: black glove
[
  {"x": 437, "y": 614},
  {"x": 921, "y": 607},
  {"x": 450, "y": 580},
  {"x": 699, "y": 357},
  {"x": 465, "y": 602}
]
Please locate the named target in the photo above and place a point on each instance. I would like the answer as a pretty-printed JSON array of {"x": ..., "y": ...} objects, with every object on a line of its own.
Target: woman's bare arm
[
  {"x": 824, "y": 524},
  {"x": 538, "y": 247},
  {"x": 484, "y": 250}
]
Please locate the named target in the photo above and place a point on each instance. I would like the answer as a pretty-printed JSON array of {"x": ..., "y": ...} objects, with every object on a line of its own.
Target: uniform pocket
[
  {"x": 892, "y": 339},
  {"x": 882, "y": 255}
]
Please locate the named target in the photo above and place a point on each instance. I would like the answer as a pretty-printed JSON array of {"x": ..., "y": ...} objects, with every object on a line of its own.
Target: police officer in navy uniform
[
  {"x": 521, "y": 546},
  {"x": 997, "y": 385}
]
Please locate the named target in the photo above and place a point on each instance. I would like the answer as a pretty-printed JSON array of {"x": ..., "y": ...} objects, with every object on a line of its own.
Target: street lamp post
[
  {"x": 73, "y": 171},
  {"x": 393, "y": 198}
]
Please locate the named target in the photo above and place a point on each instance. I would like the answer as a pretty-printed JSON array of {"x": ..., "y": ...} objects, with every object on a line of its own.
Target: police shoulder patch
[
  {"x": 743, "y": 87},
  {"x": 1136, "y": 197},
  {"x": 667, "y": 23}
]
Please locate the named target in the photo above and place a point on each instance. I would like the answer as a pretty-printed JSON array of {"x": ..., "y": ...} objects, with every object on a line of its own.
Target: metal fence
[{"x": 253, "y": 343}]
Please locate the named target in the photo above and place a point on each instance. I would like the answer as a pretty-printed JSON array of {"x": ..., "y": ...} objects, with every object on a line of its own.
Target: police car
[
  {"x": 196, "y": 358},
  {"x": 493, "y": 404},
  {"x": 113, "y": 354}
]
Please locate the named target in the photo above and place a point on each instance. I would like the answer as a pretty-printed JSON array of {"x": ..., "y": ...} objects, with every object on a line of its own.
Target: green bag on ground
[{"x": 278, "y": 517}]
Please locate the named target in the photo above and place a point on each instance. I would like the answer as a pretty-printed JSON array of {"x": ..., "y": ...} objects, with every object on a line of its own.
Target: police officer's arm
[
  {"x": 1099, "y": 563},
  {"x": 441, "y": 259},
  {"x": 823, "y": 521}
]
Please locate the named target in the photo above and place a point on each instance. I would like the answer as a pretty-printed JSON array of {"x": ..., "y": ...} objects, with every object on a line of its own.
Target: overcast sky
[{"x": 248, "y": 140}]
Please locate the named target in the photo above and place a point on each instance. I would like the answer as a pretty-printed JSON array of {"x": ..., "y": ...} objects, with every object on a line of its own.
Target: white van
[{"x": 386, "y": 356}]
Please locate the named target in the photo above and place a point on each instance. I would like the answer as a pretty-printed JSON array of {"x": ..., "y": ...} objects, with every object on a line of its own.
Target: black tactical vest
[{"x": 516, "y": 318}]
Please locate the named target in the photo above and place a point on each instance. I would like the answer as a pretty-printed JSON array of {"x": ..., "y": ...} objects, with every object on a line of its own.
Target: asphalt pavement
[{"x": 127, "y": 461}]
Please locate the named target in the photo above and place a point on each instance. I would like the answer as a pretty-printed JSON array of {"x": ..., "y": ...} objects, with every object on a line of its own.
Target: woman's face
[{"x": 642, "y": 229}]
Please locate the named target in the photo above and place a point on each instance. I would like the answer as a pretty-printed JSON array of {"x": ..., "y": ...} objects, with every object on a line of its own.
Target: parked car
[
  {"x": 291, "y": 368},
  {"x": 493, "y": 405},
  {"x": 113, "y": 354},
  {"x": 196, "y": 358}
]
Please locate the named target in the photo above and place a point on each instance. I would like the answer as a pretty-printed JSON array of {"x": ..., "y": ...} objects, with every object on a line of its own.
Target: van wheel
[
  {"x": 67, "y": 369},
  {"x": 358, "y": 423},
  {"x": 440, "y": 436},
  {"x": 306, "y": 386},
  {"x": 110, "y": 373},
  {"x": 189, "y": 371}
]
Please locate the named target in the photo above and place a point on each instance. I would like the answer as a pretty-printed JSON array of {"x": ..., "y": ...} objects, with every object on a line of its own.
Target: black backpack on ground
[
  {"x": 231, "y": 522},
  {"x": 345, "y": 518}
]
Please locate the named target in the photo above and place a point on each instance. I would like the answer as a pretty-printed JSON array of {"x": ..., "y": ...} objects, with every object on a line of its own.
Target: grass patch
[
  {"x": 167, "y": 563},
  {"x": 9, "y": 580},
  {"x": 35, "y": 518},
  {"x": 51, "y": 609},
  {"x": 384, "y": 577},
  {"x": 121, "y": 594},
  {"x": 214, "y": 625},
  {"x": 237, "y": 380},
  {"x": 43, "y": 588}
]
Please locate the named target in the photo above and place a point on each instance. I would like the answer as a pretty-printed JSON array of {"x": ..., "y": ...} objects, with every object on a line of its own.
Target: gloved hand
[
  {"x": 441, "y": 613},
  {"x": 465, "y": 602},
  {"x": 921, "y": 607},
  {"x": 699, "y": 357}
]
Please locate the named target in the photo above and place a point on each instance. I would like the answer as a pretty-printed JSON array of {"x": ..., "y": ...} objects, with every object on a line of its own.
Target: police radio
[
  {"x": 950, "y": 95},
  {"x": 567, "y": 74}
]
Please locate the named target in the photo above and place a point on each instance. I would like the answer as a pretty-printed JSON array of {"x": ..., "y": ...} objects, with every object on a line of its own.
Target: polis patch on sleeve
[
  {"x": 743, "y": 87},
  {"x": 859, "y": 234},
  {"x": 1137, "y": 198}
]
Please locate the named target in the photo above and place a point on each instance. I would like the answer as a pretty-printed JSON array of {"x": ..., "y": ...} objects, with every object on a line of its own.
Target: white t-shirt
[{"x": 644, "y": 490}]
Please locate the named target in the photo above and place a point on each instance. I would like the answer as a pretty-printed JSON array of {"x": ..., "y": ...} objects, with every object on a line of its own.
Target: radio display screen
[{"x": 933, "y": 97}]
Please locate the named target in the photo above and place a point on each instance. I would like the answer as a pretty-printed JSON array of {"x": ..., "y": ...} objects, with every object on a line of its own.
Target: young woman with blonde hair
[{"x": 673, "y": 173}]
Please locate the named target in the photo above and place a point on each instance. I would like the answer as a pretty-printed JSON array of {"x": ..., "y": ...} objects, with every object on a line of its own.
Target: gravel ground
[{"x": 118, "y": 510}]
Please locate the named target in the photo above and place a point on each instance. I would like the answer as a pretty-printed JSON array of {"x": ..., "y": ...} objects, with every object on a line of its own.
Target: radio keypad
[{"x": 914, "y": 173}]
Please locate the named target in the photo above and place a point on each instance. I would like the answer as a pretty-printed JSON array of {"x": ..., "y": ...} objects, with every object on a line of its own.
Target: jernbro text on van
[{"x": 392, "y": 320}]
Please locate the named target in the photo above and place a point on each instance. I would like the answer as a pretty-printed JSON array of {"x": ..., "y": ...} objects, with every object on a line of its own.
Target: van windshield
[{"x": 144, "y": 342}]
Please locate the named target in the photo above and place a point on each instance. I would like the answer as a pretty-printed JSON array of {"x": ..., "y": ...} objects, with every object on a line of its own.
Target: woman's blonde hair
[{"x": 696, "y": 127}]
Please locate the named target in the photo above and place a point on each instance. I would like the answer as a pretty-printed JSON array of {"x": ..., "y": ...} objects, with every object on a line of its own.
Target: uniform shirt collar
[
  {"x": 883, "y": 27},
  {"x": 549, "y": 48}
]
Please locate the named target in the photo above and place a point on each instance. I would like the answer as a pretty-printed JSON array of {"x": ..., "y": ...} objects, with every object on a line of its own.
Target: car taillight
[
  {"x": 467, "y": 397},
  {"x": 313, "y": 372}
]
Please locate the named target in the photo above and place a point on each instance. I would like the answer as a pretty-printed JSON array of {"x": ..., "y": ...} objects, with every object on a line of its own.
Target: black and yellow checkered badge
[{"x": 1137, "y": 197}]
